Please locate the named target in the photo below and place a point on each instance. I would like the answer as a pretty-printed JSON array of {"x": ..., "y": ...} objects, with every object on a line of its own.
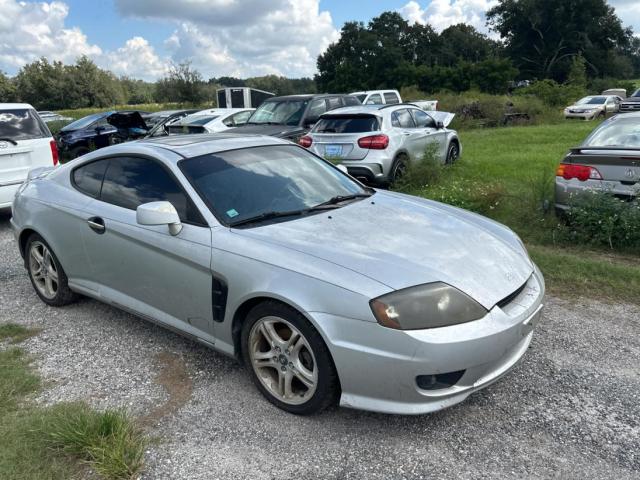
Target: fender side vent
[{"x": 218, "y": 299}]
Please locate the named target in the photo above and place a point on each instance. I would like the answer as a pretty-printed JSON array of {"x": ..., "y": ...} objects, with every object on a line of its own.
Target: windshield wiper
[
  {"x": 339, "y": 199},
  {"x": 10, "y": 140},
  {"x": 267, "y": 216}
]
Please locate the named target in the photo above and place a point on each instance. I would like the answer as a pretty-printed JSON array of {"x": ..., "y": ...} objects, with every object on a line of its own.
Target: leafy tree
[
  {"x": 228, "y": 81},
  {"x": 43, "y": 84},
  {"x": 578, "y": 72},
  {"x": 464, "y": 43},
  {"x": 8, "y": 92},
  {"x": 182, "y": 84},
  {"x": 542, "y": 36}
]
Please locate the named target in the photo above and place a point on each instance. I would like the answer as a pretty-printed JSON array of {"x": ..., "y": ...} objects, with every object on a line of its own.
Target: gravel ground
[{"x": 571, "y": 409}]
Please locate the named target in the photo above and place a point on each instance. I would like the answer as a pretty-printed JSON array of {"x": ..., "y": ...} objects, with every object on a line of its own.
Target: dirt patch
[{"x": 174, "y": 378}]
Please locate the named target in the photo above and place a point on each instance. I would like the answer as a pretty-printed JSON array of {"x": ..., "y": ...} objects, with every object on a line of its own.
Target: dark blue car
[{"x": 100, "y": 130}]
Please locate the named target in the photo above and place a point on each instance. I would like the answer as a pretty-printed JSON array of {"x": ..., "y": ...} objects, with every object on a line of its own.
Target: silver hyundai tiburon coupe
[{"x": 327, "y": 290}]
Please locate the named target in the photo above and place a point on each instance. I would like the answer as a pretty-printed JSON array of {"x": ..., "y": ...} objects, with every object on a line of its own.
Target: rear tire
[
  {"x": 398, "y": 169},
  {"x": 46, "y": 274},
  {"x": 78, "y": 152},
  {"x": 288, "y": 359}
]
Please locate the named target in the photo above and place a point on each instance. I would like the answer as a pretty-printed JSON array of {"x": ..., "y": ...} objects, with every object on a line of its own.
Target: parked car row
[{"x": 610, "y": 102}]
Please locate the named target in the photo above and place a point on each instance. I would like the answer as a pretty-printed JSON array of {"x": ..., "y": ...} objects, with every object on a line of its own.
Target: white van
[{"x": 25, "y": 143}]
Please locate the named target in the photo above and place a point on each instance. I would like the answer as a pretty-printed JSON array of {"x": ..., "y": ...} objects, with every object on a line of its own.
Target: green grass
[
  {"x": 508, "y": 174},
  {"x": 63, "y": 441},
  {"x": 15, "y": 333}
]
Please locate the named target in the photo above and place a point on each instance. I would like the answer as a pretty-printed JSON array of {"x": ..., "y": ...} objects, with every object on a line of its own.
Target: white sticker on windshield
[{"x": 232, "y": 213}]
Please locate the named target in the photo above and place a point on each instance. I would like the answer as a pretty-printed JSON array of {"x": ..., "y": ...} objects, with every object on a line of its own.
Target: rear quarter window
[
  {"x": 347, "y": 124},
  {"x": 88, "y": 178},
  {"x": 22, "y": 124}
]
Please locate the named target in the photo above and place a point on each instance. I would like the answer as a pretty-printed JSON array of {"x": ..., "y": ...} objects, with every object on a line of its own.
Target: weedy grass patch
[{"x": 63, "y": 441}]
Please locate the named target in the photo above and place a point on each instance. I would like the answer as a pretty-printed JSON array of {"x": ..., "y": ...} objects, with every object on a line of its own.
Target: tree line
[
  {"x": 542, "y": 40},
  {"x": 539, "y": 39},
  {"x": 54, "y": 86}
]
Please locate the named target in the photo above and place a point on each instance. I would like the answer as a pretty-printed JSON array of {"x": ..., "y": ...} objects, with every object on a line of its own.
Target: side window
[
  {"x": 395, "y": 121},
  {"x": 422, "y": 119},
  {"x": 317, "y": 108},
  {"x": 374, "y": 99},
  {"x": 130, "y": 182},
  {"x": 88, "y": 177},
  {"x": 350, "y": 100},
  {"x": 241, "y": 117},
  {"x": 334, "y": 102},
  {"x": 391, "y": 98},
  {"x": 404, "y": 118}
]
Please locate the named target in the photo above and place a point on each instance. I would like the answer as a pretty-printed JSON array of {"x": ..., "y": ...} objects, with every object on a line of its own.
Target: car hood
[
  {"x": 631, "y": 100},
  {"x": 400, "y": 242},
  {"x": 280, "y": 131}
]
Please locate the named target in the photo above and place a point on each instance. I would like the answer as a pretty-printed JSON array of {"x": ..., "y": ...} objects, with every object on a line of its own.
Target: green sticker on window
[{"x": 232, "y": 213}]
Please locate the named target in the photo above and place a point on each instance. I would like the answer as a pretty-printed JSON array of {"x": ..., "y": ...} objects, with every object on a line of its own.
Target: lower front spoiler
[{"x": 438, "y": 400}]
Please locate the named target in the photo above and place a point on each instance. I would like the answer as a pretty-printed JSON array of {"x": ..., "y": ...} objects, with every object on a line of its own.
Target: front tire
[
  {"x": 46, "y": 274},
  {"x": 288, "y": 359},
  {"x": 452, "y": 153}
]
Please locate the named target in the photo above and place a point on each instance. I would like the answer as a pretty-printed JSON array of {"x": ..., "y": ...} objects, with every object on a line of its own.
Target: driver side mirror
[
  {"x": 159, "y": 213},
  {"x": 100, "y": 128},
  {"x": 439, "y": 124}
]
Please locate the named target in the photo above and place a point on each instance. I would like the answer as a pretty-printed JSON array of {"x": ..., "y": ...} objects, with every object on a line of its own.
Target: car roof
[
  {"x": 188, "y": 146},
  {"x": 306, "y": 96},
  {"x": 371, "y": 109},
  {"x": 367, "y": 92},
  {"x": 13, "y": 106}
]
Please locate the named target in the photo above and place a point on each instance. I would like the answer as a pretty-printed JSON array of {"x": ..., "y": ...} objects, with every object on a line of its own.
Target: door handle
[{"x": 96, "y": 224}]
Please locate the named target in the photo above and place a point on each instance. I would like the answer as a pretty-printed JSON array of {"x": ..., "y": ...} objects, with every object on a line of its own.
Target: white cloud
[
  {"x": 441, "y": 14},
  {"x": 29, "y": 31},
  {"x": 254, "y": 37},
  {"x": 136, "y": 59},
  {"x": 629, "y": 13},
  {"x": 32, "y": 30}
]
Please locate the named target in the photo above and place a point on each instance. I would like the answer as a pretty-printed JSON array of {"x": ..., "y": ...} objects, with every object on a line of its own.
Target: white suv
[
  {"x": 25, "y": 143},
  {"x": 376, "y": 143}
]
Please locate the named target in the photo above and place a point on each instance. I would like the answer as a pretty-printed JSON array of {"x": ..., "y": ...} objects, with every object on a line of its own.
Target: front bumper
[
  {"x": 581, "y": 116},
  {"x": 378, "y": 366}
]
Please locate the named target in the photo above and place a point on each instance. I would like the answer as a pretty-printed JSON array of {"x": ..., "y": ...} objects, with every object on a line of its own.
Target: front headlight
[{"x": 431, "y": 305}]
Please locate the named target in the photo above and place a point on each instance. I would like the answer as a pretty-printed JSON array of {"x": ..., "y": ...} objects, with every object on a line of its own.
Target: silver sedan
[{"x": 327, "y": 290}]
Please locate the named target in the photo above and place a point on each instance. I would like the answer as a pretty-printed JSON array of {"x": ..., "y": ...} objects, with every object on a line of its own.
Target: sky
[{"x": 242, "y": 38}]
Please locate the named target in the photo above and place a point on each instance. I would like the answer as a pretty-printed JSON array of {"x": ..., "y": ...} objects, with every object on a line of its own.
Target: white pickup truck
[{"x": 388, "y": 97}]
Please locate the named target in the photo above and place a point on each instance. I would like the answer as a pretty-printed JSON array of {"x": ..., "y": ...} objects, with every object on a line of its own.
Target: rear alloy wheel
[
  {"x": 46, "y": 274},
  {"x": 289, "y": 362},
  {"x": 453, "y": 153},
  {"x": 399, "y": 169}
]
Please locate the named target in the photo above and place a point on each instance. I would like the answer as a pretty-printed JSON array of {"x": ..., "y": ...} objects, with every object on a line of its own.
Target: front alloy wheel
[
  {"x": 288, "y": 359},
  {"x": 283, "y": 360}
]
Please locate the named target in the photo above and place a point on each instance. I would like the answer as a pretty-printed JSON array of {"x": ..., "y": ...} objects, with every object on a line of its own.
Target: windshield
[
  {"x": 288, "y": 112},
  {"x": 21, "y": 124},
  {"x": 241, "y": 184},
  {"x": 592, "y": 101},
  {"x": 347, "y": 124},
  {"x": 617, "y": 132},
  {"x": 636, "y": 93},
  {"x": 84, "y": 121},
  {"x": 361, "y": 97}
]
